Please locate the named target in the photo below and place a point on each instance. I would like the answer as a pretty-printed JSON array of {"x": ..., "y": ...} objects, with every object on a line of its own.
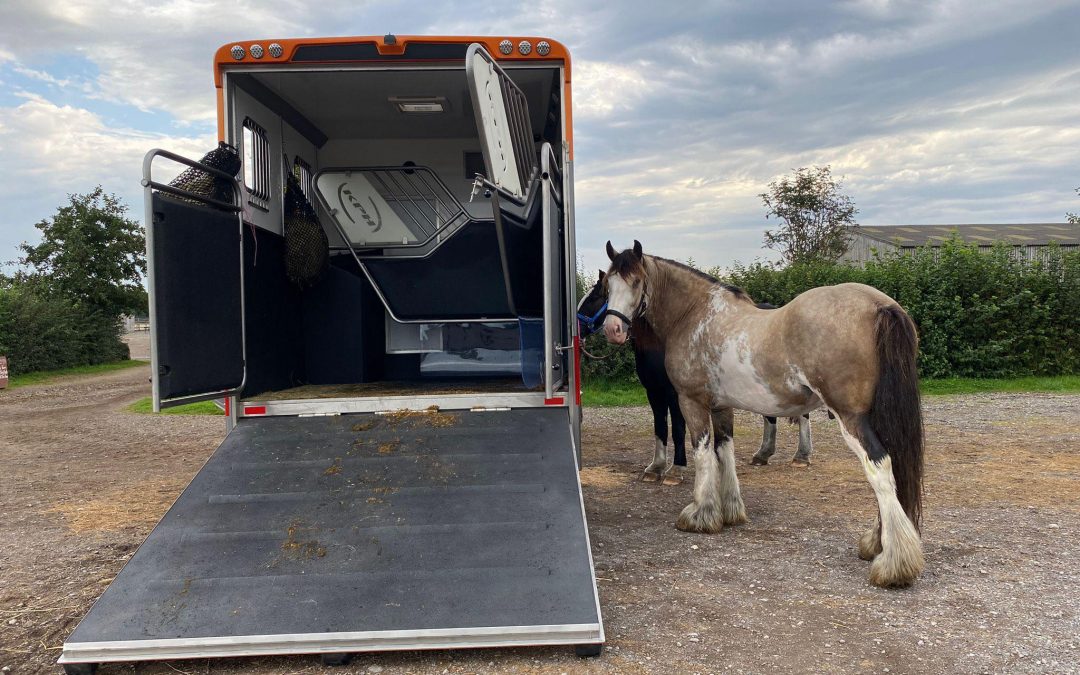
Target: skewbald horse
[{"x": 849, "y": 347}]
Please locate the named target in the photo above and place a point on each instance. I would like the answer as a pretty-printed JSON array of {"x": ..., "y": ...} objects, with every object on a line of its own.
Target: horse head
[
  {"x": 626, "y": 291},
  {"x": 592, "y": 308}
]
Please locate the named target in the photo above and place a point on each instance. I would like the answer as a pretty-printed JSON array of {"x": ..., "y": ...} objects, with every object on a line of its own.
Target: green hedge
[
  {"x": 48, "y": 333},
  {"x": 980, "y": 313}
]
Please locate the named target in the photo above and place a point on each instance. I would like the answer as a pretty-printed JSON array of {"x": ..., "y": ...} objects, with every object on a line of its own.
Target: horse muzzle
[{"x": 616, "y": 330}]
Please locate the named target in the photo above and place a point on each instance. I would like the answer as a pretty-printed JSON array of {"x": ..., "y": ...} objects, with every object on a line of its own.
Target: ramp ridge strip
[
  {"x": 387, "y": 490},
  {"x": 247, "y": 535}
]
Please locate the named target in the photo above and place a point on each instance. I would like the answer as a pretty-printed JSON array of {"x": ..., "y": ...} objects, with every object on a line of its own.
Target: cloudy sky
[{"x": 946, "y": 111}]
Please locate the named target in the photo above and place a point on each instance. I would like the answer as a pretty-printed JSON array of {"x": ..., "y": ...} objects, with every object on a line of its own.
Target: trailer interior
[{"x": 437, "y": 295}]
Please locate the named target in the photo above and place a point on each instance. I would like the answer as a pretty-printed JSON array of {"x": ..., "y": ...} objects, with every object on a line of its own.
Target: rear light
[
  {"x": 543, "y": 48},
  {"x": 506, "y": 47},
  {"x": 256, "y": 51},
  {"x": 237, "y": 52},
  {"x": 524, "y": 47},
  {"x": 276, "y": 50}
]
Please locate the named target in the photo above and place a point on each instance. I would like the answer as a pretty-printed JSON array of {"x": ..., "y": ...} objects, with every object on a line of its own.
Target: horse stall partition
[{"x": 401, "y": 465}]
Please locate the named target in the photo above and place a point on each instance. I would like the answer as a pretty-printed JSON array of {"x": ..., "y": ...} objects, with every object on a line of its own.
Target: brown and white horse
[{"x": 849, "y": 347}]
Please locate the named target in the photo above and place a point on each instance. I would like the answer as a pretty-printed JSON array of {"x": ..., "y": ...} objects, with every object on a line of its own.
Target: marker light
[
  {"x": 524, "y": 47},
  {"x": 543, "y": 48},
  {"x": 237, "y": 52},
  {"x": 276, "y": 50},
  {"x": 257, "y": 51},
  {"x": 506, "y": 47}
]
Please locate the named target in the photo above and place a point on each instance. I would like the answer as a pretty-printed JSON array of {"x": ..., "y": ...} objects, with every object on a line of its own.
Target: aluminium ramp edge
[{"x": 357, "y": 533}]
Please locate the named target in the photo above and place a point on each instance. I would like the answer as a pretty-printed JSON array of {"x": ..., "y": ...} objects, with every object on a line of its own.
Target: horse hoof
[
  {"x": 800, "y": 463},
  {"x": 650, "y": 477},
  {"x": 734, "y": 513},
  {"x": 672, "y": 479},
  {"x": 759, "y": 461},
  {"x": 696, "y": 518}
]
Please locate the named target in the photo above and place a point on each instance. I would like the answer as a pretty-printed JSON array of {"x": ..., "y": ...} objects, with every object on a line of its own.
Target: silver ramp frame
[{"x": 305, "y": 535}]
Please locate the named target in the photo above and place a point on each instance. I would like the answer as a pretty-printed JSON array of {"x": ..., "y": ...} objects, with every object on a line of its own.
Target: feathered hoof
[
  {"x": 651, "y": 476},
  {"x": 673, "y": 477},
  {"x": 705, "y": 518},
  {"x": 870, "y": 543},
  {"x": 894, "y": 570},
  {"x": 733, "y": 512},
  {"x": 758, "y": 460}
]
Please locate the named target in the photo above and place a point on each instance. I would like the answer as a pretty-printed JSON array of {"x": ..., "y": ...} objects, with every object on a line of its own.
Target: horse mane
[{"x": 734, "y": 290}]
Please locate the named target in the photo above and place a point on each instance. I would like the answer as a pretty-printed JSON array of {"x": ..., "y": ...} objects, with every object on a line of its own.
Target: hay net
[
  {"x": 307, "y": 249},
  {"x": 198, "y": 182}
]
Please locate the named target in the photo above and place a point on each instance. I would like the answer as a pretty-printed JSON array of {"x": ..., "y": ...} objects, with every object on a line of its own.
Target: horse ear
[
  {"x": 602, "y": 275},
  {"x": 610, "y": 251},
  {"x": 637, "y": 249}
]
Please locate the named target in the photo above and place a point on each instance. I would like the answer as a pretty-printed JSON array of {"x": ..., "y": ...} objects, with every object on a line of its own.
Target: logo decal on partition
[{"x": 345, "y": 194}]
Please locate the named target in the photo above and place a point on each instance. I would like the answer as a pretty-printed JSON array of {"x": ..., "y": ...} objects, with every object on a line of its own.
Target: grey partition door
[{"x": 362, "y": 532}]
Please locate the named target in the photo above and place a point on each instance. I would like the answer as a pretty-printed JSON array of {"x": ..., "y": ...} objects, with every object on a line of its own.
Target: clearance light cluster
[
  {"x": 275, "y": 50},
  {"x": 543, "y": 48}
]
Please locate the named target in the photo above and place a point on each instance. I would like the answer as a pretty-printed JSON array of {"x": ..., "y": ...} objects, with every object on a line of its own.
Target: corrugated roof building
[{"x": 1027, "y": 238}]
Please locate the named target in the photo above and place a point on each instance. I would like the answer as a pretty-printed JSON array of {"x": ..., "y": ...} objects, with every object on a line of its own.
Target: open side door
[{"x": 194, "y": 256}]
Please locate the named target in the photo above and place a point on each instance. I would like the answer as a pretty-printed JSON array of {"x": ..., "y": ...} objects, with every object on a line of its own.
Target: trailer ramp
[{"x": 361, "y": 532}]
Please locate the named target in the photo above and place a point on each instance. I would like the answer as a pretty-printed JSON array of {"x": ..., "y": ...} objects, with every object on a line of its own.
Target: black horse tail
[{"x": 896, "y": 412}]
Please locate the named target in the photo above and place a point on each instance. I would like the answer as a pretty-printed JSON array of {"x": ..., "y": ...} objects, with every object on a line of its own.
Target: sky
[{"x": 935, "y": 112}]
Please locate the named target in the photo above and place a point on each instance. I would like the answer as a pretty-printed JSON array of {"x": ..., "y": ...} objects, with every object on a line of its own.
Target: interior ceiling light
[
  {"x": 419, "y": 104},
  {"x": 524, "y": 47},
  {"x": 506, "y": 47},
  {"x": 237, "y": 52},
  {"x": 543, "y": 48}
]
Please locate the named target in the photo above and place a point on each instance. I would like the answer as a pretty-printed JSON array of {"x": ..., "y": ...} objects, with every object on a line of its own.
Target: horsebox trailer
[{"x": 401, "y": 465}]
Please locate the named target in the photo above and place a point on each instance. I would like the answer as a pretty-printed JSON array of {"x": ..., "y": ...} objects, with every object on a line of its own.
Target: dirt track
[{"x": 82, "y": 483}]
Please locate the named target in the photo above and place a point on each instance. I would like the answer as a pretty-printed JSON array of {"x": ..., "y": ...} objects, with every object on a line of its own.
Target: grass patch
[
  {"x": 146, "y": 407},
  {"x": 606, "y": 393},
  {"x": 1065, "y": 384},
  {"x": 602, "y": 393},
  {"x": 44, "y": 376}
]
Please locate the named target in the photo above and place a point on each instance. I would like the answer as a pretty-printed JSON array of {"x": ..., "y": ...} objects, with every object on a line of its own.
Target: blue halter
[{"x": 590, "y": 324}]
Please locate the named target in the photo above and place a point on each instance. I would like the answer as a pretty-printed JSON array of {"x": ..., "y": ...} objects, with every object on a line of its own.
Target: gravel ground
[{"x": 83, "y": 482}]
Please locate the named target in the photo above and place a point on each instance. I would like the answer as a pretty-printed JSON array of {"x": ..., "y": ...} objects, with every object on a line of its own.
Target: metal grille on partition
[
  {"x": 307, "y": 249},
  {"x": 196, "y": 181},
  {"x": 389, "y": 207}
]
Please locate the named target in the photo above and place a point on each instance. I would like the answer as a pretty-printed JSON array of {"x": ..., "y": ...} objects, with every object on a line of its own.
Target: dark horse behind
[{"x": 664, "y": 400}]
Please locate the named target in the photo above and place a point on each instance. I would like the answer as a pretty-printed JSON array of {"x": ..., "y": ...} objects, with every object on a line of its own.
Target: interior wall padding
[
  {"x": 461, "y": 280},
  {"x": 197, "y": 298},
  {"x": 275, "y": 347},
  {"x": 343, "y": 323}
]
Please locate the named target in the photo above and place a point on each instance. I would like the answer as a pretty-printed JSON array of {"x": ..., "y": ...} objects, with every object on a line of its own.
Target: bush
[
  {"x": 980, "y": 313},
  {"x": 47, "y": 333}
]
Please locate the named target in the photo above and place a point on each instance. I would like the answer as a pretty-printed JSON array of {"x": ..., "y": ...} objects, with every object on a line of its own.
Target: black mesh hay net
[
  {"x": 307, "y": 249},
  {"x": 196, "y": 181}
]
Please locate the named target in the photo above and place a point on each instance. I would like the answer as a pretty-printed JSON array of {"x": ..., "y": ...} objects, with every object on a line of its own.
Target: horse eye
[{"x": 637, "y": 283}]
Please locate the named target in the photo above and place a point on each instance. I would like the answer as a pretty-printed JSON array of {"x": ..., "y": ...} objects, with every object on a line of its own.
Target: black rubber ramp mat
[{"x": 429, "y": 524}]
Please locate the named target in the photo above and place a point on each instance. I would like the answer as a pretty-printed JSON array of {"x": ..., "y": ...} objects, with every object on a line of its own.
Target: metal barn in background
[{"x": 1027, "y": 238}]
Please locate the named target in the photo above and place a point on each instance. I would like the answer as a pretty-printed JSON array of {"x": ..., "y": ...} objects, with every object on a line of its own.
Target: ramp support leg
[
  {"x": 339, "y": 659},
  {"x": 80, "y": 668},
  {"x": 590, "y": 650}
]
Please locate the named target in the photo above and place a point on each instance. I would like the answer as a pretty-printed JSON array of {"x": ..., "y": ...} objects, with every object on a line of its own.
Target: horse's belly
[{"x": 733, "y": 382}]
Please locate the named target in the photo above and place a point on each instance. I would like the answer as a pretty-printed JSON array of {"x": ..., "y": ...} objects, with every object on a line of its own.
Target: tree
[
  {"x": 92, "y": 254},
  {"x": 816, "y": 217},
  {"x": 1074, "y": 218}
]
